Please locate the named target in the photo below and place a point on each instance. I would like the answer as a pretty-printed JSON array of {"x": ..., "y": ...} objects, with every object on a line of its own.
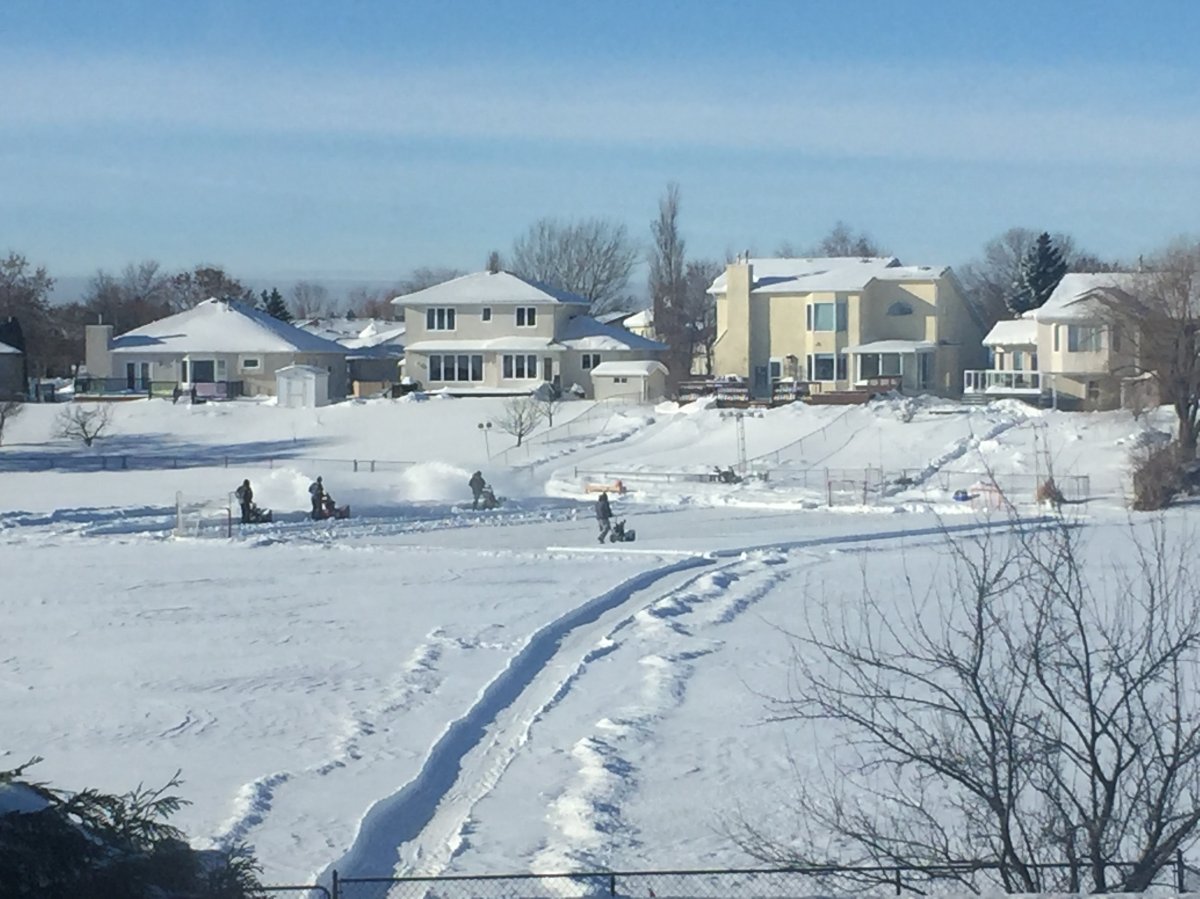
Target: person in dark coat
[
  {"x": 245, "y": 497},
  {"x": 316, "y": 491},
  {"x": 603, "y": 516},
  {"x": 476, "y": 484}
]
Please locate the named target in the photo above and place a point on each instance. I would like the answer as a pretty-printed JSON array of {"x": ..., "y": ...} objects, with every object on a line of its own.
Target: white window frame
[
  {"x": 1085, "y": 338},
  {"x": 250, "y": 363},
  {"x": 839, "y": 367},
  {"x": 840, "y": 317},
  {"x": 526, "y": 316},
  {"x": 440, "y": 318},
  {"x": 519, "y": 366},
  {"x": 439, "y": 361}
]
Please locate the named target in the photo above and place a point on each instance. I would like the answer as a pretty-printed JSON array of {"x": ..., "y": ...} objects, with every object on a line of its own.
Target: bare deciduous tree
[
  {"x": 550, "y": 399},
  {"x": 701, "y": 310},
  {"x": 9, "y": 409},
  {"x": 840, "y": 241},
  {"x": 205, "y": 282},
  {"x": 668, "y": 285},
  {"x": 521, "y": 415},
  {"x": 310, "y": 300},
  {"x": 1159, "y": 316},
  {"x": 1034, "y": 716},
  {"x": 86, "y": 422},
  {"x": 591, "y": 257}
]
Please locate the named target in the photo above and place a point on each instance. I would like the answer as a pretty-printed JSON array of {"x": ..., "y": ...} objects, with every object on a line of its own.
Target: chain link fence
[{"x": 777, "y": 883}]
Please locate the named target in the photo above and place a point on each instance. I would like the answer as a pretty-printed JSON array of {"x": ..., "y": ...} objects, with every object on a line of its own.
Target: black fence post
[
  {"x": 1180, "y": 871},
  {"x": 612, "y": 884},
  {"x": 336, "y": 894}
]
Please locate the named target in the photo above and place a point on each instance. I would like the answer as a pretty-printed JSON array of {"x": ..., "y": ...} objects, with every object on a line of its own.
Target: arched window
[{"x": 899, "y": 308}]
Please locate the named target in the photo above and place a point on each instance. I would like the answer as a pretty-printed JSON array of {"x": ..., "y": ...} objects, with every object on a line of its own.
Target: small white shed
[
  {"x": 641, "y": 380},
  {"x": 302, "y": 386}
]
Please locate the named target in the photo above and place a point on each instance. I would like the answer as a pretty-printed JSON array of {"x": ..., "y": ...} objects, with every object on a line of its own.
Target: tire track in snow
[
  {"x": 401, "y": 817},
  {"x": 404, "y": 816}
]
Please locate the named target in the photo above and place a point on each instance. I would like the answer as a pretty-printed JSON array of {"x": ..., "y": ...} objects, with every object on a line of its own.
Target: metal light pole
[
  {"x": 484, "y": 427},
  {"x": 739, "y": 418}
]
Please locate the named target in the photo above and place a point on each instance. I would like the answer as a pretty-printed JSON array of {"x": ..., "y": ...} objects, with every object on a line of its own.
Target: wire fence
[
  {"x": 776, "y": 883},
  {"x": 592, "y": 421},
  {"x": 84, "y": 461}
]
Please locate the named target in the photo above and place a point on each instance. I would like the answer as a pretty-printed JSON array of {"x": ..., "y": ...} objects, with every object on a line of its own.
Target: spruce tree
[
  {"x": 1041, "y": 270},
  {"x": 275, "y": 305}
]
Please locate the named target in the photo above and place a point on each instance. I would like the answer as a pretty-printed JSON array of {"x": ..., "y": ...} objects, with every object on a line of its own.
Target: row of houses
[{"x": 821, "y": 325}]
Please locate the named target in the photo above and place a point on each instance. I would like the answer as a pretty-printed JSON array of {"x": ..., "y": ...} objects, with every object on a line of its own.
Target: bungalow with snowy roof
[
  {"x": 839, "y": 324},
  {"x": 1064, "y": 353},
  {"x": 498, "y": 333},
  {"x": 219, "y": 348}
]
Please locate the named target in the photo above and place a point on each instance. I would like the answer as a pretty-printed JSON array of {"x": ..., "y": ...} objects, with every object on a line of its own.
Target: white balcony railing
[{"x": 1002, "y": 382}]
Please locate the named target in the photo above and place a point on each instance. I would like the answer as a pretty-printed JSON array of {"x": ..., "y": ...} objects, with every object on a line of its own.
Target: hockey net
[{"x": 204, "y": 516}]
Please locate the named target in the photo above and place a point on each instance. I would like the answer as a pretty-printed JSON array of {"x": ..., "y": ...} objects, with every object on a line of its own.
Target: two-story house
[
  {"x": 838, "y": 323},
  {"x": 497, "y": 333},
  {"x": 1065, "y": 353}
]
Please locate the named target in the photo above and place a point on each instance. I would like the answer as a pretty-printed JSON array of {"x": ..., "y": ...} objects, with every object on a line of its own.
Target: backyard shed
[
  {"x": 302, "y": 386},
  {"x": 640, "y": 380}
]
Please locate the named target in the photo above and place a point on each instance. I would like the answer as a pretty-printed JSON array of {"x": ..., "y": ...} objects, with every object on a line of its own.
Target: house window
[
  {"x": 251, "y": 364},
  {"x": 519, "y": 366},
  {"x": 900, "y": 308},
  {"x": 526, "y": 316},
  {"x": 439, "y": 318},
  {"x": 877, "y": 365},
  {"x": 1114, "y": 339},
  {"x": 1083, "y": 338},
  {"x": 589, "y": 361},
  {"x": 460, "y": 367},
  {"x": 827, "y": 316},
  {"x": 1093, "y": 391},
  {"x": 620, "y": 380},
  {"x": 776, "y": 369},
  {"x": 486, "y": 314},
  {"x": 826, "y": 367},
  {"x": 1018, "y": 363}
]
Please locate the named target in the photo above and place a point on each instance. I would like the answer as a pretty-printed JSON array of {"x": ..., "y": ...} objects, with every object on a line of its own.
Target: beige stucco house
[
  {"x": 497, "y": 333},
  {"x": 1065, "y": 353},
  {"x": 837, "y": 323},
  {"x": 221, "y": 348}
]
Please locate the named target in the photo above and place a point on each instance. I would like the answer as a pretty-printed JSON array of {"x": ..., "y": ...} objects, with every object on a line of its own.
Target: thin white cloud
[{"x": 985, "y": 114}]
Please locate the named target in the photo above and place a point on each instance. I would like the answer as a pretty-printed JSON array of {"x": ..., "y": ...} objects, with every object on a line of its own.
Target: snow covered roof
[
  {"x": 297, "y": 370},
  {"x": 489, "y": 288},
  {"x": 643, "y": 319},
  {"x": 1074, "y": 299},
  {"x": 221, "y": 326},
  {"x": 829, "y": 273},
  {"x": 1019, "y": 331},
  {"x": 585, "y": 333},
  {"x": 894, "y": 346},
  {"x": 5, "y": 348},
  {"x": 375, "y": 335},
  {"x": 628, "y": 368},
  {"x": 530, "y": 344}
]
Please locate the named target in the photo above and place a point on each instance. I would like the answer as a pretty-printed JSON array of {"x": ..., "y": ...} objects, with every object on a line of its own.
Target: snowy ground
[{"x": 424, "y": 688}]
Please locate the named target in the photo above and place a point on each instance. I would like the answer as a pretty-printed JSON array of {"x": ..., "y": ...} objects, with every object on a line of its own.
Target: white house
[
  {"x": 1064, "y": 353},
  {"x": 497, "y": 333},
  {"x": 220, "y": 348}
]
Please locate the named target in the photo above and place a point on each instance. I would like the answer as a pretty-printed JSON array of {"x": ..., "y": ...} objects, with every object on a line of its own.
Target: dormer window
[
  {"x": 439, "y": 318},
  {"x": 900, "y": 308},
  {"x": 526, "y": 316}
]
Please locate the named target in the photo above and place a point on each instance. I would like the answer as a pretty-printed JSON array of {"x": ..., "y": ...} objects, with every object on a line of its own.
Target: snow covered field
[{"x": 428, "y": 689}]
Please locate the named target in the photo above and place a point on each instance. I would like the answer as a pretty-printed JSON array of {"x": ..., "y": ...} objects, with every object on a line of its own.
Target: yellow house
[
  {"x": 840, "y": 322},
  {"x": 1065, "y": 353}
]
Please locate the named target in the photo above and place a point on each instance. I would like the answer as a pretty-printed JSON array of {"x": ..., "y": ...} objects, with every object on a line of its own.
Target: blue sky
[{"x": 361, "y": 140}]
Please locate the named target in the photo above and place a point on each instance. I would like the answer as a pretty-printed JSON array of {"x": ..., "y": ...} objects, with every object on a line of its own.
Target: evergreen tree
[
  {"x": 275, "y": 305},
  {"x": 1041, "y": 270}
]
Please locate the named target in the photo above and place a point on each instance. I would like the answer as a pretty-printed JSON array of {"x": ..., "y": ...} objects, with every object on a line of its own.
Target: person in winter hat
[
  {"x": 245, "y": 498},
  {"x": 603, "y": 515},
  {"x": 476, "y": 484},
  {"x": 316, "y": 491}
]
